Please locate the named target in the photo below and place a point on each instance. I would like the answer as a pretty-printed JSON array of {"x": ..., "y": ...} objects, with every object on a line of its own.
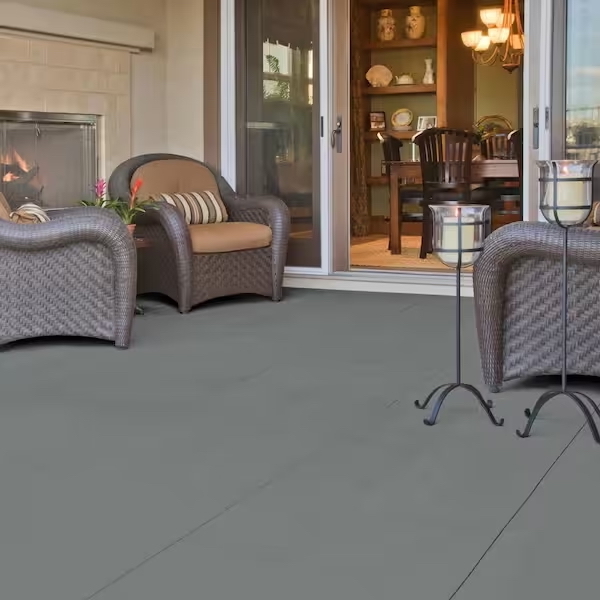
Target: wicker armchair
[
  {"x": 72, "y": 276},
  {"x": 517, "y": 283},
  {"x": 170, "y": 265}
]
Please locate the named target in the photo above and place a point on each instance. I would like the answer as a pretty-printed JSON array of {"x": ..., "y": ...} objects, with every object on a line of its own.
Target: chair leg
[{"x": 425, "y": 235}]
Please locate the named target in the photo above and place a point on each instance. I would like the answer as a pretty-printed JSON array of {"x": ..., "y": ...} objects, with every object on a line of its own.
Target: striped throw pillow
[
  {"x": 198, "y": 208},
  {"x": 29, "y": 213}
]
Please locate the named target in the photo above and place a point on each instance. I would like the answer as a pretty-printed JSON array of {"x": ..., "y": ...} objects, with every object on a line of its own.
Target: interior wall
[
  {"x": 148, "y": 90},
  {"x": 185, "y": 77},
  {"x": 497, "y": 92}
]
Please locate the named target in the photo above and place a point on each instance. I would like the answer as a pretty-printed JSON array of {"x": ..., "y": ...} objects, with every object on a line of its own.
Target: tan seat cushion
[{"x": 229, "y": 237}]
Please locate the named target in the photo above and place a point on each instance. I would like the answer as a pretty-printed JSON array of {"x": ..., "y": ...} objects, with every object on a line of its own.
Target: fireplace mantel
[{"x": 19, "y": 18}]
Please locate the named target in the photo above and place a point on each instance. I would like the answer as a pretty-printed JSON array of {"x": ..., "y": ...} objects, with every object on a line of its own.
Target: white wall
[
  {"x": 185, "y": 90},
  {"x": 148, "y": 76},
  {"x": 497, "y": 92}
]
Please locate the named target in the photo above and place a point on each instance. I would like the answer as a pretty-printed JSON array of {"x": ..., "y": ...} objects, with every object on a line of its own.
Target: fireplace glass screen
[{"x": 48, "y": 159}]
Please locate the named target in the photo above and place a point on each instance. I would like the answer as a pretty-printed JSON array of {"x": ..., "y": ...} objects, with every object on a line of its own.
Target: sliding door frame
[{"x": 229, "y": 133}]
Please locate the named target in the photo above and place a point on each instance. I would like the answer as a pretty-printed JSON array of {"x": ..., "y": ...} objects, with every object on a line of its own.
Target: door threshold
[{"x": 389, "y": 282}]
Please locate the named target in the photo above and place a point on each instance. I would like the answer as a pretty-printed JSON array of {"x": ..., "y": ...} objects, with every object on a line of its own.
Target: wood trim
[
  {"x": 442, "y": 63},
  {"x": 212, "y": 96}
]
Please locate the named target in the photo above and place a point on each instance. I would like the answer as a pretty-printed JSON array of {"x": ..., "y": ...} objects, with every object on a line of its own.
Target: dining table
[{"x": 410, "y": 171}]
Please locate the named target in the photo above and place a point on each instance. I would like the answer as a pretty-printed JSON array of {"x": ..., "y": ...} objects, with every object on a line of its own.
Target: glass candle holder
[
  {"x": 459, "y": 232},
  {"x": 566, "y": 190}
]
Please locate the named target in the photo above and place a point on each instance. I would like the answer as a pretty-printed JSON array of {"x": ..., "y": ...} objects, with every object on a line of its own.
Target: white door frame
[
  {"x": 537, "y": 94},
  {"x": 228, "y": 129},
  {"x": 334, "y": 195}
]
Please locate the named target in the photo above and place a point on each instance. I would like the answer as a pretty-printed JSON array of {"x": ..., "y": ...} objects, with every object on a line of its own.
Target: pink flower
[{"x": 100, "y": 188}]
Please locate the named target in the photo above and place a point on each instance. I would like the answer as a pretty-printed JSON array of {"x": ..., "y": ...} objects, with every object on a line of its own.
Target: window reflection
[{"x": 583, "y": 80}]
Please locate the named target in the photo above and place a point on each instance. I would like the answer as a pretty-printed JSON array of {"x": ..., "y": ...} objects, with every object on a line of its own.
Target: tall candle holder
[
  {"x": 458, "y": 235},
  {"x": 565, "y": 201}
]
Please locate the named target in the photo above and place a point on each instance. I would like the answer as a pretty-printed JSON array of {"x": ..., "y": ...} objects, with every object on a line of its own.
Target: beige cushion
[
  {"x": 27, "y": 214},
  {"x": 174, "y": 176},
  {"x": 229, "y": 237},
  {"x": 197, "y": 208},
  {"x": 5, "y": 209}
]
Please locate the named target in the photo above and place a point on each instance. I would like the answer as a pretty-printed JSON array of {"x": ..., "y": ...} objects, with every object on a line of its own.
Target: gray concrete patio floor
[{"x": 263, "y": 451}]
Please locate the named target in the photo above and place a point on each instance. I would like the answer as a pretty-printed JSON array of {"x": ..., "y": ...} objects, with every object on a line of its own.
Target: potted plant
[{"x": 127, "y": 210}]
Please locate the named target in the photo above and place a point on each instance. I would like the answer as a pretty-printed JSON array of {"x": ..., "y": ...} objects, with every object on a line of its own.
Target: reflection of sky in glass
[{"x": 583, "y": 60}]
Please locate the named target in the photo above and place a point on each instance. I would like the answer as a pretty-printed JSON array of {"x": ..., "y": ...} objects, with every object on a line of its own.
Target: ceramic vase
[
  {"x": 386, "y": 26},
  {"x": 415, "y": 23},
  {"x": 428, "y": 78}
]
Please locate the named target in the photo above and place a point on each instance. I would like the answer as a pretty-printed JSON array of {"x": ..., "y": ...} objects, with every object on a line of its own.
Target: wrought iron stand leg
[
  {"x": 578, "y": 397},
  {"x": 443, "y": 391}
]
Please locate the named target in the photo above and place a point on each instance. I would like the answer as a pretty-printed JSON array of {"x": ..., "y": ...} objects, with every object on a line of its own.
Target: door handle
[
  {"x": 336, "y": 135},
  {"x": 536, "y": 128}
]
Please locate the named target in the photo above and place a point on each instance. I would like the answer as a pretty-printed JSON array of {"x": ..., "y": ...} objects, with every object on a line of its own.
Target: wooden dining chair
[
  {"x": 496, "y": 145},
  {"x": 446, "y": 156},
  {"x": 409, "y": 194}
]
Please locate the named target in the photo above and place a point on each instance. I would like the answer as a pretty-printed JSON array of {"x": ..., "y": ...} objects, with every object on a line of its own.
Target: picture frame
[
  {"x": 377, "y": 121},
  {"x": 426, "y": 123}
]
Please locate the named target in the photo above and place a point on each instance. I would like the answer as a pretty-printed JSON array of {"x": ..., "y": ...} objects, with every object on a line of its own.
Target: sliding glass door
[
  {"x": 576, "y": 84},
  {"x": 277, "y": 113}
]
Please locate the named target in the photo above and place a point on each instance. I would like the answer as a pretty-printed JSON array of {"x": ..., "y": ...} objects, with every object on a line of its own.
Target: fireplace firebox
[{"x": 47, "y": 158}]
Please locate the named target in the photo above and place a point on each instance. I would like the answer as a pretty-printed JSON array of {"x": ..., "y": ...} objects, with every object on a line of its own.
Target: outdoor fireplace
[{"x": 47, "y": 158}]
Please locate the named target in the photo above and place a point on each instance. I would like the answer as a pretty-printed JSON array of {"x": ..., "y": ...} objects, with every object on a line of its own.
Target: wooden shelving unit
[
  {"x": 450, "y": 98},
  {"x": 394, "y": 90},
  {"x": 371, "y": 136},
  {"x": 428, "y": 42},
  {"x": 381, "y": 180}
]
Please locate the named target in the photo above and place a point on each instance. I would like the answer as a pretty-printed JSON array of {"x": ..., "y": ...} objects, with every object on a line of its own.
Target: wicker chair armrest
[
  {"x": 267, "y": 210},
  {"x": 69, "y": 226},
  {"x": 174, "y": 226},
  {"x": 502, "y": 249}
]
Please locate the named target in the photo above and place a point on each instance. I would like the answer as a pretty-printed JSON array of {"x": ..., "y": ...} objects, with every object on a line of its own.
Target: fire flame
[{"x": 10, "y": 158}]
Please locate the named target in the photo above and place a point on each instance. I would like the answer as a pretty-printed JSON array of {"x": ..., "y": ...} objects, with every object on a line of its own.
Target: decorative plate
[
  {"x": 402, "y": 119},
  {"x": 379, "y": 76}
]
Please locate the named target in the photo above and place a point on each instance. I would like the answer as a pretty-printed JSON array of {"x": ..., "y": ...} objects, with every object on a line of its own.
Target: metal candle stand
[
  {"x": 554, "y": 172},
  {"x": 447, "y": 219}
]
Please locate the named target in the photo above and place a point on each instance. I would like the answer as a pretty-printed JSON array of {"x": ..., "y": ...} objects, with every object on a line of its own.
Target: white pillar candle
[
  {"x": 569, "y": 193},
  {"x": 450, "y": 231}
]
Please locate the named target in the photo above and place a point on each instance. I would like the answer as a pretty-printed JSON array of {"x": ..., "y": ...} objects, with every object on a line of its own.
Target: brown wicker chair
[
  {"x": 171, "y": 266},
  {"x": 72, "y": 276},
  {"x": 517, "y": 283}
]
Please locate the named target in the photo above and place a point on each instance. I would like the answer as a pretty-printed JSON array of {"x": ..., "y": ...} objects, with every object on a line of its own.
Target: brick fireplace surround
[{"x": 46, "y": 72}]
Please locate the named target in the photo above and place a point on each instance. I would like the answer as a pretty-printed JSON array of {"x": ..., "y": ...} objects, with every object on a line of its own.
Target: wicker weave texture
[
  {"x": 518, "y": 284},
  {"x": 73, "y": 276},
  {"x": 169, "y": 267}
]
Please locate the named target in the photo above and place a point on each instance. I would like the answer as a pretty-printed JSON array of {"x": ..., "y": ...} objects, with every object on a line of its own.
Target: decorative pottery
[
  {"x": 379, "y": 76},
  {"x": 415, "y": 24},
  {"x": 131, "y": 227},
  {"x": 386, "y": 26},
  {"x": 428, "y": 78},
  {"x": 404, "y": 79},
  {"x": 401, "y": 119}
]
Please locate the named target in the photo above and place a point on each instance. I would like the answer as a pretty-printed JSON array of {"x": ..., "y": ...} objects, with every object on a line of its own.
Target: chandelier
[{"x": 504, "y": 40}]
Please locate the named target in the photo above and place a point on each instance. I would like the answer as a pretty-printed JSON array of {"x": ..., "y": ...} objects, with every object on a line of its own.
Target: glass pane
[
  {"x": 583, "y": 80},
  {"x": 51, "y": 164},
  {"x": 277, "y": 112}
]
